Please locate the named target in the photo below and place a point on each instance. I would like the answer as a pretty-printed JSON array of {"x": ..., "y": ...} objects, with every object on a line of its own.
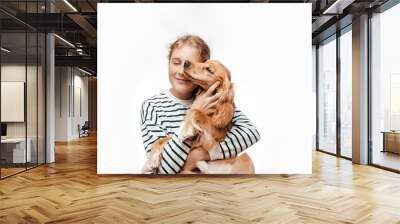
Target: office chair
[{"x": 84, "y": 130}]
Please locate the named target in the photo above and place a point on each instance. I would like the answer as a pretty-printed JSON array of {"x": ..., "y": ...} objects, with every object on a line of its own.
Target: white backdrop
[{"x": 267, "y": 48}]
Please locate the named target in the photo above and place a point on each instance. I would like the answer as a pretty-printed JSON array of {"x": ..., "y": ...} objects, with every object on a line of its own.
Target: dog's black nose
[{"x": 186, "y": 64}]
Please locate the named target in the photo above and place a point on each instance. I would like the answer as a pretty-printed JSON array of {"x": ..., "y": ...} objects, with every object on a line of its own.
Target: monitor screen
[{"x": 3, "y": 129}]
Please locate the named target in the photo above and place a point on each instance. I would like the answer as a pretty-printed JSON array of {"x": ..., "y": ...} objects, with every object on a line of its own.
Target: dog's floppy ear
[
  {"x": 197, "y": 127},
  {"x": 224, "y": 115},
  {"x": 231, "y": 93},
  {"x": 196, "y": 120},
  {"x": 228, "y": 94}
]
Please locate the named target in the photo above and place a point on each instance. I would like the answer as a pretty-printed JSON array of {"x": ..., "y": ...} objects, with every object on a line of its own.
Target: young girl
[{"x": 163, "y": 114}]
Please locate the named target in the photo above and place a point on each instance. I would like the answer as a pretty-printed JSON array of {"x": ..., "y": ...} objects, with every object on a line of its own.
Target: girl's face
[{"x": 182, "y": 87}]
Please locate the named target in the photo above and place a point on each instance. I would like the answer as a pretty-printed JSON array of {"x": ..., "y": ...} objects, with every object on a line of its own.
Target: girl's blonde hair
[{"x": 194, "y": 41}]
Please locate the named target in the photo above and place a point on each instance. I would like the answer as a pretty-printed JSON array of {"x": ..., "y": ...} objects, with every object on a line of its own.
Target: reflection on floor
[
  {"x": 386, "y": 159},
  {"x": 10, "y": 169},
  {"x": 346, "y": 151}
]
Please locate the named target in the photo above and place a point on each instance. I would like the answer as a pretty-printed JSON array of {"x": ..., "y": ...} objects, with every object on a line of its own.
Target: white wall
[
  {"x": 270, "y": 68},
  {"x": 80, "y": 82},
  {"x": 12, "y": 73},
  {"x": 61, "y": 103},
  {"x": 67, "y": 115},
  {"x": 15, "y": 72}
]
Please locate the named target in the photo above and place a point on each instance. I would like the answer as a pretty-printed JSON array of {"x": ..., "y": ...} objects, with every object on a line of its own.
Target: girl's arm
[
  {"x": 241, "y": 136},
  {"x": 174, "y": 153}
]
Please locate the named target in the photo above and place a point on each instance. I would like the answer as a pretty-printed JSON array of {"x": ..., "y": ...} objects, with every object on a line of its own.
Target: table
[
  {"x": 15, "y": 148},
  {"x": 391, "y": 141}
]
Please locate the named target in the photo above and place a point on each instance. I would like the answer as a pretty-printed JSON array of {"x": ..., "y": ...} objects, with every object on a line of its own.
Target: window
[
  {"x": 22, "y": 74},
  {"x": 385, "y": 89},
  {"x": 327, "y": 96},
  {"x": 346, "y": 93}
]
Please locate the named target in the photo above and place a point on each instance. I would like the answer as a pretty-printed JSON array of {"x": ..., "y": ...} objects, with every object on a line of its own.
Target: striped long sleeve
[
  {"x": 161, "y": 116},
  {"x": 242, "y": 135}
]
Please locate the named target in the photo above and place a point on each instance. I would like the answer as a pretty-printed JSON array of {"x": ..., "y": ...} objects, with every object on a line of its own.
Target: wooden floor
[
  {"x": 387, "y": 159},
  {"x": 5, "y": 172},
  {"x": 8, "y": 171},
  {"x": 70, "y": 191}
]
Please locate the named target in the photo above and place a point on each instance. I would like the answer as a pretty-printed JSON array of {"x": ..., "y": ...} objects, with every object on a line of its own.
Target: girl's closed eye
[{"x": 176, "y": 61}]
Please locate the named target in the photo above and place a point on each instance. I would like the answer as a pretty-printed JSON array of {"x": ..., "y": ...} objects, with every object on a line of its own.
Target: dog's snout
[{"x": 186, "y": 64}]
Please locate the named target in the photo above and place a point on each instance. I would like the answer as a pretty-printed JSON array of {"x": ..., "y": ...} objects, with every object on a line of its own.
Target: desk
[
  {"x": 15, "y": 148},
  {"x": 391, "y": 141}
]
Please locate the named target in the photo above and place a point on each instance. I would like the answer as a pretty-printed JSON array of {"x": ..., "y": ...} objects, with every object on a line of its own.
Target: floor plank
[{"x": 70, "y": 191}]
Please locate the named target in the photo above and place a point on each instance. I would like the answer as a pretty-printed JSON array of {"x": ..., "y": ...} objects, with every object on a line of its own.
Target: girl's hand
[{"x": 207, "y": 102}]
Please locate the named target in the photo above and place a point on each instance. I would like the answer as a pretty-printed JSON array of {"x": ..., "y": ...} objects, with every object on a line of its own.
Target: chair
[{"x": 84, "y": 130}]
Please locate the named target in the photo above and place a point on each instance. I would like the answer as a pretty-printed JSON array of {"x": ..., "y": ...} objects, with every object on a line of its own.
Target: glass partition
[
  {"x": 32, "y": 95},
  {"x": 13, "y": 104},
  {"x": 327, "y": 96},
  {"x": 346, "y": 94},
  {"x": 385, "y": 89},
  {"x": 22, "y": 101},
  {"x": 41, "y": 107}
]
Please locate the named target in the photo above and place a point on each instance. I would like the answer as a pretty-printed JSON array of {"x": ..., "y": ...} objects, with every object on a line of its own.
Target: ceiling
[{"x": 76, "y": 22}]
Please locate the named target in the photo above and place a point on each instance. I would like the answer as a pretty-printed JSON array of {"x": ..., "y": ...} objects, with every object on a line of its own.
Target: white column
[
  {"x": 50, "y": 93},
  {"x": 360, "y": 90}
]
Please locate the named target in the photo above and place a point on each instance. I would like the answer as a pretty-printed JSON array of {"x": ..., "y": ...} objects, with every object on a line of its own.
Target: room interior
[{"x": 48, "y": 91}]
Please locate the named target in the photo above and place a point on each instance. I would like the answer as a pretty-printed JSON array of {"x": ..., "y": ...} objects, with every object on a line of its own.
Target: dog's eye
[{"x": 210, "y": 69}]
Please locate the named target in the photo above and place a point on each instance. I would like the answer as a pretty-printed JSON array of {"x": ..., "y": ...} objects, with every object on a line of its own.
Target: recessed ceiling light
[
  {"x": 84, "y": 71},
  {"x": 338, "y": 6},
  {"x": 5, "y": 50},
  {"x": 64, "y": 40},
  {"x": 70, "y": 5}
]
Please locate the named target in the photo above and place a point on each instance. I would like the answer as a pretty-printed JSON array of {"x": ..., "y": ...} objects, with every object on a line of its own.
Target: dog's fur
[{"x": 206, "y": 131}]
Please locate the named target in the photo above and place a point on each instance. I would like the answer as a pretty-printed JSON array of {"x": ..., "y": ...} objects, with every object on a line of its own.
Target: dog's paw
[
  {"x": 189, "y": 129},
  {"x": 155, "y": 160},
  {"x": 146, "y": 169},
  {"x": 184, "y": 138},
  {"x": 185, "y": 133},
  {"x": 203, "y": 166}
]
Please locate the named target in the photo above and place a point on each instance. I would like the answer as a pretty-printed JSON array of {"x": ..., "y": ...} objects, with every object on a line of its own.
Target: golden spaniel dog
[{"x": 206, "y": 131}]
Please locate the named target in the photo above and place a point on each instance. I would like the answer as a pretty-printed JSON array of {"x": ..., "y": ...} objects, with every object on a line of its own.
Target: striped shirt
[{"x": 163, "y": 114}]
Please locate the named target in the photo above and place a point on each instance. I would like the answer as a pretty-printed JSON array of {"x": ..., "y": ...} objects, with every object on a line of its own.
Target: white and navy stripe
[{"x": 162, "y": 115}]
